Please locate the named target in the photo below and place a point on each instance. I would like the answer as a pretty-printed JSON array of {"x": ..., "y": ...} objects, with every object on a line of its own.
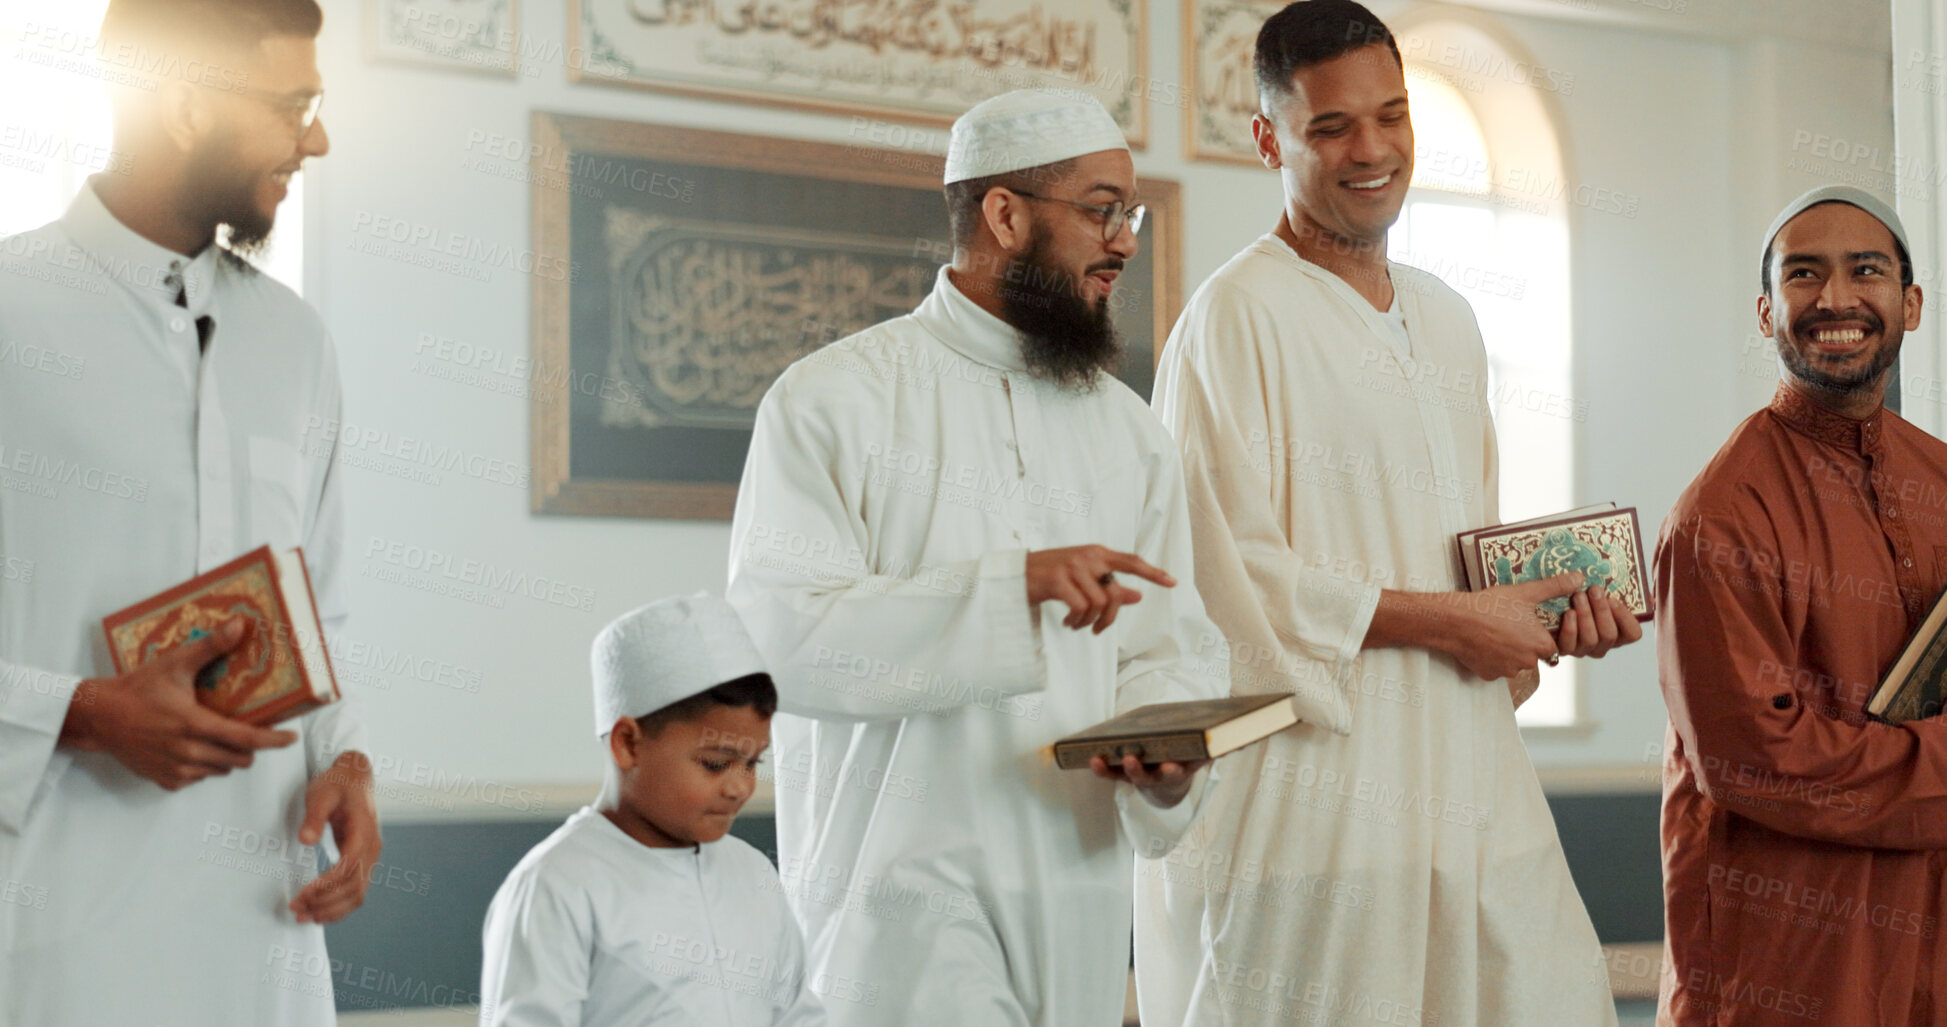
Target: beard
[
  {"x": 1064, "y": 339},
  {"x": 222, "y": 193},
  {"x": 1806, "y": 367}
]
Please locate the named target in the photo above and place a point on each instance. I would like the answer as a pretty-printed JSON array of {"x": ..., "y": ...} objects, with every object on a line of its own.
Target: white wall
[{"x": 1700, "y": 127}]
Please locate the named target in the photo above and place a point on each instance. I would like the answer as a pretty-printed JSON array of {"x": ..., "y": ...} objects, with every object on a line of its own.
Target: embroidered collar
[{"x": 1801, "y": 414}]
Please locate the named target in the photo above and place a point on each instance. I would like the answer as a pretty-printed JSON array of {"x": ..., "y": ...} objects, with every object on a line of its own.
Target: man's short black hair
[
  {"x": 1312, "y": 32},
  {"x": 963, "y": 198},
  {"x": 752, "y": 691},
  {"x": 1770, "y": 248},
  {"x": 234, "y": 26}
]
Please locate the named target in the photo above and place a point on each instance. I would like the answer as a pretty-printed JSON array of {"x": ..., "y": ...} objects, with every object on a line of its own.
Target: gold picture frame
[
  {"x": 1025, "y": 44},
  {"x": 1219, "y": 47},
  {"x": 621, "y": 201},
  {"x": 478, "y": 36}
]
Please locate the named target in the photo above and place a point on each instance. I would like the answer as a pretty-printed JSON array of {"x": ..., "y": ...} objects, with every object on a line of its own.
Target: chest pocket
[{"x": 278, "y": 478}]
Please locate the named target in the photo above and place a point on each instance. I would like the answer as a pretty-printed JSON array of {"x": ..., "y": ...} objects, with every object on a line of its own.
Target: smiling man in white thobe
[
  {"x": 916, "y": 495},
  {"x": 1391, "y": 859},
  {"x": 157, "y": 855}
]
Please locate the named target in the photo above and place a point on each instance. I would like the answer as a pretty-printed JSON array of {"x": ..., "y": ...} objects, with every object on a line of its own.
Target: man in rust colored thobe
[{"x": 1804, "y": 845}]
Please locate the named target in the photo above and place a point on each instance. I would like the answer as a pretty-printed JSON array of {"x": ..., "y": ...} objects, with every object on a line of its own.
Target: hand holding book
[
  {"x": 1164, "y": 784},
  {"x": 150, "y": 720}
]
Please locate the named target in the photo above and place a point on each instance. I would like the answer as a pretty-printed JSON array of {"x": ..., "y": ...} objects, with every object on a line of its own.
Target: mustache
[{"x": 1811, "y": 322}]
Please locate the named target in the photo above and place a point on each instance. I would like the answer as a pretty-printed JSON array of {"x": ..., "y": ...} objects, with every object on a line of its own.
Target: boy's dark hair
[
  {"x": 754, "y": 691},
  {"x": 1312, "y": 32},
  {"x": 237, "y": 26},
  {"x": 963, "y": 198}
]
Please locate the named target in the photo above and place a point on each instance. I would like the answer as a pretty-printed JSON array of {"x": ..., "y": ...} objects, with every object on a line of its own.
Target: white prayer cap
[
  {"x": 1026, "y": 129},
  {"x": 666, "y": 652},
  {"x": 1838, "y": 194}
]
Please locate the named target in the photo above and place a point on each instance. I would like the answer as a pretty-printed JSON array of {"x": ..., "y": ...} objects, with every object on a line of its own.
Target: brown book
[
  {"x": 1915, "y": 687},
  {"x": 1164, "y": 732},
  {"x": 279, "y": 671},
  {"x": 1602, "y": 542}
]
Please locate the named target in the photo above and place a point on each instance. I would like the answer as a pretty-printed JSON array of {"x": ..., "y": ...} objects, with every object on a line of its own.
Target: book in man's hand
[
  {"x": 280, "y": 670},
  {"x": 1915, "y": 687},
  {"x": 1179, "y": 732},
  {"x": 1602, "y": 542}
]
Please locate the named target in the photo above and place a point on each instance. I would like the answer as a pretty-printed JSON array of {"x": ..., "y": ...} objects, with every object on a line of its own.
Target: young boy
[{"x": 640, "y": 910}]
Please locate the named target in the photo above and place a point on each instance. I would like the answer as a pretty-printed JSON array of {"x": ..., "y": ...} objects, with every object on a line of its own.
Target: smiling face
[
  {"x": 1836, "y": 308},
  {"x": 240, "y": 169},
  {"x": 685, "y": 784},
  {"x": 1343, "y": 141}
]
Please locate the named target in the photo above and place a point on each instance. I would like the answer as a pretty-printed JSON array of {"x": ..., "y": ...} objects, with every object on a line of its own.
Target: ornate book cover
[
  {"x": 280, "y": 669},
  {"x": 1604, "y": 544},
  {"x": 1178, "y": 731}
]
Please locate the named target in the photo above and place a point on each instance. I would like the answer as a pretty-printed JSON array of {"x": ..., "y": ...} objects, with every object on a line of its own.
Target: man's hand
[
  {"x": 342, "y": 798},
  {"x": 1595, "y": 623},
  {"x": 1497, "y": 632},
  {"x": 1084, "y": 578},
  {"x": 150, "y": 721},
  {"x": 1163, "y": 786}
]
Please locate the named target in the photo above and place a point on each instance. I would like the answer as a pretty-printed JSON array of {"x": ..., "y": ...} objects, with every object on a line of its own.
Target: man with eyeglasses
[
  {"x": 954, "y": 543},
  {"x": 158, "y": 862}
]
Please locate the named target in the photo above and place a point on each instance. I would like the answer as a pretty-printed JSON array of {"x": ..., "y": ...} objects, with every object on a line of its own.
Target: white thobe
[
  {"x": 942, "y": 865},
  {"x": 1391, "y": 859},
  {"x": 128, "y": 463},
  {"x": 595, "y": 929}
]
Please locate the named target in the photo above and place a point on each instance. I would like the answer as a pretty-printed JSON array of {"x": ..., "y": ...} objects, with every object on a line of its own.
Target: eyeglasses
[
  {"x": 300, "y": 111},
  {"x": 1112, "y": 215}
]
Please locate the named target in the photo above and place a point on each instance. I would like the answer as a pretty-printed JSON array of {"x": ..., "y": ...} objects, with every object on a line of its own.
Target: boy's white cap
[
  {"x": 1026, "y": 129},
  {"x": 666, "y": 652}
]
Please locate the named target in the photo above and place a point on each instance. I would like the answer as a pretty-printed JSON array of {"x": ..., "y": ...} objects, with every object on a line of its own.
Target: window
[
  {"x": 55, "y": 132},
  {"x": 1483, "y": 213}
]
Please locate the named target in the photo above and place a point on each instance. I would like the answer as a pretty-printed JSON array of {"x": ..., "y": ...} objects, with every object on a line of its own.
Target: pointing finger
[{"x": 1130, "y": 563}]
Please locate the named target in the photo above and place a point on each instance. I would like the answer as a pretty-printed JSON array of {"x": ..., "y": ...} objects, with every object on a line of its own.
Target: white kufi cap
[
  {"x": 1026, "y": 129},
  {"x": 666, "y": 652},
  {"x": 1846, "y": 194}
]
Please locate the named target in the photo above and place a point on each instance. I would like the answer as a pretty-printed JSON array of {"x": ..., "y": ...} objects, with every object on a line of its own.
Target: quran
[
  {"x": 1602, "y": 542},
  {"x": 280, "y": 670},
  {"x": 1913, "y": 686},
  {"x": 1166, "y": 732}
]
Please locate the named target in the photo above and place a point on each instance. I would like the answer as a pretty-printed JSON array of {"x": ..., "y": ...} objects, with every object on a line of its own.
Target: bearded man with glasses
[
  {"x": 926, "y": 549},
  {"x": 170, "y": 854}
]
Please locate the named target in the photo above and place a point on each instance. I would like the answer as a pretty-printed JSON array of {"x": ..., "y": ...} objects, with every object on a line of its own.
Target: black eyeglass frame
[{"x": 1112, "y": 215}]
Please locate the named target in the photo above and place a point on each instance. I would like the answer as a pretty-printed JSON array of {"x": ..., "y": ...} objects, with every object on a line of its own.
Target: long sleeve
[
  {"x": 843, "y": 642},
  {"x": 1753, "y": 745},
  {"x": 1297, "y": 628},
  {"x": 1170, "y": 651},
  {"x": 535, "y": 968},
  {"x": 336, "y": 728},
  {"x": 793, "y": 1002},
  {"x": 33, "y": 706}
]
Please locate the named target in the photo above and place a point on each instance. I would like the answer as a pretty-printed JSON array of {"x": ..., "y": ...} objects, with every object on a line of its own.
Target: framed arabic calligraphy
[
  {"x": 708, "y": 263},
  {"x": 470, "y": 35},
  {"x": 914, "y": 60},
  {"x": 1218, "y": 51}
]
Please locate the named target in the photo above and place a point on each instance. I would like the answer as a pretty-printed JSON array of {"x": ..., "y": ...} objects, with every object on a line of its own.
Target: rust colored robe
[{"x": 1803, "y": 845}]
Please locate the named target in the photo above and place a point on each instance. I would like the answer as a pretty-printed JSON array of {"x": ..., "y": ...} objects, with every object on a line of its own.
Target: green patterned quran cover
[
  {"x": 1603, "y": 543},
  {"x": 1913, "y": 689}
]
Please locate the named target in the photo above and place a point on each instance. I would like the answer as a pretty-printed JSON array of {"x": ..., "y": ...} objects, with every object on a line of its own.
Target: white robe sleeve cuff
[
  {"x": 1335, "y": 702},
  {"x": 33, "y": 707},
  {"x": 1151, "y": 831}
]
